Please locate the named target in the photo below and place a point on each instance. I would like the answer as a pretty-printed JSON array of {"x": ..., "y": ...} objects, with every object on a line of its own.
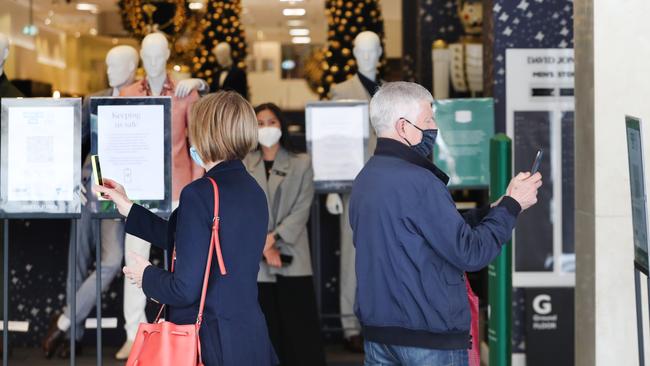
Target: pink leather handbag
[{"x": 168, "y": 344}]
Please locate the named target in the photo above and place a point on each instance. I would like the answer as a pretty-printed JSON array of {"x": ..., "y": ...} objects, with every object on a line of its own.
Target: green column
[{"x": 500, "y": 270}]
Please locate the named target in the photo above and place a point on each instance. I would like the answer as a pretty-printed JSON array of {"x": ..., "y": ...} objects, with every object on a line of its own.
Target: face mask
[
  {"x": 195, "y": 156},
  {"x": 425, "y": 147},
  {"x": 269, "y": 136}
]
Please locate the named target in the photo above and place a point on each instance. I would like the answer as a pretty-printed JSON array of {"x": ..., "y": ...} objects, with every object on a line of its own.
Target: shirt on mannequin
[{"x": 184, "y": 170}]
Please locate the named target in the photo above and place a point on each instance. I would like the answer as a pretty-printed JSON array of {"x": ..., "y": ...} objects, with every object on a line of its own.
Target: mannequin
[
  {"x": 462, "y": 62},
  {"x": 154, "y": 53},
  {"x": 367, "y": 51},
  {"x": 228, "y": 76},
  {"x": 121, "y": 65},
  {"x": 7, "y": 89}
]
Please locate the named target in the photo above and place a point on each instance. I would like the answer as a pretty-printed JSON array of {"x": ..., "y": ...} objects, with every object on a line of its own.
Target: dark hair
[{"x": 284, "y": 124}]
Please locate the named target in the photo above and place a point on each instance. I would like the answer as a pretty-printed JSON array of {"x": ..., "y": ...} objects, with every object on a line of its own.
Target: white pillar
[{"x": 612, "y": 49}]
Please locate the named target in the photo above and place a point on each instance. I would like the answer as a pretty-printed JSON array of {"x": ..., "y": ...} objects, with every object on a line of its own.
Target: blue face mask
[
  {"x": 425, "y": 147},
  {"x": 195, "y": 156}
]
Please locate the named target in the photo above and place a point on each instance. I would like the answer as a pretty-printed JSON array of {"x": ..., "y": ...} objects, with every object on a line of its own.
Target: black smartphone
[
  {"x": 97, "y": 172},
  {"x": 538, "y": 160}
]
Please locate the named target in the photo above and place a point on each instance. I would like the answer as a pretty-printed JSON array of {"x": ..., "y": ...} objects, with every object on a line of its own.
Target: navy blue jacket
[
  {"x": 413, "y": 247},
  {"x": 234, "y": 329}
]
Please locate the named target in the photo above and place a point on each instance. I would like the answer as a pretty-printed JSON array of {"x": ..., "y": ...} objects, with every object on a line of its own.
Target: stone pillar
[{"x": 612, "y": 80}]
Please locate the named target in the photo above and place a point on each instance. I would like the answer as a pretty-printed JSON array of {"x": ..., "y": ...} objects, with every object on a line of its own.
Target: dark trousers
[{"x": 289, "y": 306}]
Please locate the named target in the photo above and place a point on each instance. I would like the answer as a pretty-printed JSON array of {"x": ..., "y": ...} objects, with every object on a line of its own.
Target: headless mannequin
[{"x": 461, "y": 62}]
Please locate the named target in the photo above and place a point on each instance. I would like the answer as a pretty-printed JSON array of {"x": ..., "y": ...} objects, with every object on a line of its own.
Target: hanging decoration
[{"x": 141, "y": 17}]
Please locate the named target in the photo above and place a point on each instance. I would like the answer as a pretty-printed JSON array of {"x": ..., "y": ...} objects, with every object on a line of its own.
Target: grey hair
[{"x": 395, "y": 100}]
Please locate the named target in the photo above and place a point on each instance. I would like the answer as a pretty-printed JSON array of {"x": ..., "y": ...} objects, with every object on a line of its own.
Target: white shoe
[{"x": 123, "y": 353}]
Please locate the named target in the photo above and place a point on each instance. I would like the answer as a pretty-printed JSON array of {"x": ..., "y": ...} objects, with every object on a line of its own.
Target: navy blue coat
[
  {"x": 234, "y": 329},
  {"x": 413, "y": 247}
]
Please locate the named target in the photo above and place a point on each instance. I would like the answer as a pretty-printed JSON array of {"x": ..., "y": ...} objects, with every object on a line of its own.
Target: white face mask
[{"x": 269, "y": 136}]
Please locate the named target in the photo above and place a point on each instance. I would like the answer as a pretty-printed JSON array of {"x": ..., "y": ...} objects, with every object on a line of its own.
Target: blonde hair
[{"x": 223, "y": 127}]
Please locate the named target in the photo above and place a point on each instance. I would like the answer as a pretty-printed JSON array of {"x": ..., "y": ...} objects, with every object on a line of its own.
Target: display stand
[
  {"x": 51, "y": 127},
  {"x": 638, "y": 195},
  {"x": 128, "y": 117},
  {"x": 340, "y": 127}
]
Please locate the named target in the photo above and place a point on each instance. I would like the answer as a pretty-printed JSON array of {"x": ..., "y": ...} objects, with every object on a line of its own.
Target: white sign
[
  {"x": 40, "y": 154},
  {"x": 337, "y": 135},
  {"x": 541, "y": 82},
  {"x": 130, "y": 145}
]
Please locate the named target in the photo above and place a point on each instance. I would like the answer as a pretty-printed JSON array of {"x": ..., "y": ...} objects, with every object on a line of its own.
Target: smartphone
[
  {"x": 97, "y": 172},
  {"x": 538, "y": 160}
]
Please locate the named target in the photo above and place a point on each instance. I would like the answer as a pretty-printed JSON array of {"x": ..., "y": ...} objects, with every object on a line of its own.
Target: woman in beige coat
[{"x": 285, "y": 281}]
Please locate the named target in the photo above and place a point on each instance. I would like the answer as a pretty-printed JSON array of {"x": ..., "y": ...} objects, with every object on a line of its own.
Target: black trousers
[{"x": 289, "y": 306}]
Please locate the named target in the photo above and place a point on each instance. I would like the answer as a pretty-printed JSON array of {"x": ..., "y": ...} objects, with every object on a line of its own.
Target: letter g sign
[{"x": 542, "y": 304}]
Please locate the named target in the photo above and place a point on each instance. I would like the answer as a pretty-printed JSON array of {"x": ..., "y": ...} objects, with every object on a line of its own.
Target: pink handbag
[{"x": 168, "y": 344}]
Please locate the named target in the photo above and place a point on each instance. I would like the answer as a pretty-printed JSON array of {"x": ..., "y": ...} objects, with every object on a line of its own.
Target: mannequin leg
[
  {"x": 134, "y": 299},
  {"x": 348, "y": 276}
]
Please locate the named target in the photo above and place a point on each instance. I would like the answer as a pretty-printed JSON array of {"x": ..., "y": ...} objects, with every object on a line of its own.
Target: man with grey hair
[{"x": 413, "y": 246}]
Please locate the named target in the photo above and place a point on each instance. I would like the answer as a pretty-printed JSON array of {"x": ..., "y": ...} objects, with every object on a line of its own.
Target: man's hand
[
  {"x": 523, "y": 188},
  {"x": 334, "y": 204}
]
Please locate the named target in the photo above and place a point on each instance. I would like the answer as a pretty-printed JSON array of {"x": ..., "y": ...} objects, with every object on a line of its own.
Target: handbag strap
[{"x": 215, "y": 244}]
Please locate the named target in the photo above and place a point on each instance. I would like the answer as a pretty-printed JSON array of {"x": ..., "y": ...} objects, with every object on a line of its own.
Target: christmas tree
[
  {"x": 346, "y": 19},
  {"x": 221, "y": 24}
]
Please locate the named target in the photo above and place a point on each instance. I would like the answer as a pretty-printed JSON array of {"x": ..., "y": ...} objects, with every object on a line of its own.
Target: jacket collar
[
  {"x": 370, "y": 85},
  {"x": 225, "y": 166},
  {"x": 390, "y": 147},
  {"x": 167, "y": 89}
]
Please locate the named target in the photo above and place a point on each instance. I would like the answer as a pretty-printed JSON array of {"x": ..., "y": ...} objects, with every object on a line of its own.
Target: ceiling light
[
  {"x": 299, "y": 32},
  {"x": 291, "y": 1},
  {"x": 30, "y": 30},
  {"x": 93, "y": 31},
  {"x": 295, "y": 23},
  {"x": 301, "y": 40},
  {"x": 196, "y": 6},
  {"x": 48, "y": 21},
  {"x": 87, "y": 7},
  {"x": 294, "y": 12}
]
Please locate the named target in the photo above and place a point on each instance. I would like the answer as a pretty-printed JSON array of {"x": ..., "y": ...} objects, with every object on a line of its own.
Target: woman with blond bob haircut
[{"x": 222, "y": 130}]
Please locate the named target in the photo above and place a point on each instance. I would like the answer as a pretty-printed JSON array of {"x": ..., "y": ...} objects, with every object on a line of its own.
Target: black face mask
[{"x": 425, "y": 147}]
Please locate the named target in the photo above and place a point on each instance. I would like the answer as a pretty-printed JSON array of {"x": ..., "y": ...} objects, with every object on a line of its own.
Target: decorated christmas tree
[
  {"x": 220, "y": 24},
  {"x": 346, "y": 19}
]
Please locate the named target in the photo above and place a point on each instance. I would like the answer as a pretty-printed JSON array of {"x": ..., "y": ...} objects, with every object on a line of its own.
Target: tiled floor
[{"x": 336, "y": 356}]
